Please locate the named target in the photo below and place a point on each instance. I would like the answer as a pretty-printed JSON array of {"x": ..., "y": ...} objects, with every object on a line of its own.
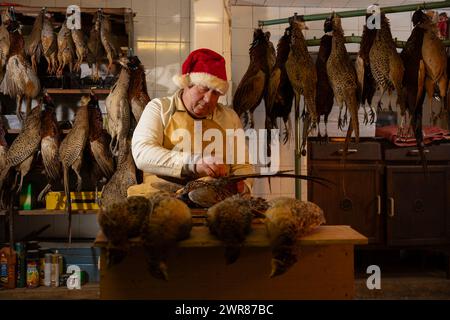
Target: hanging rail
[
  {"x": 362, "y": 12},
  {"x": 357, "y": 39}
]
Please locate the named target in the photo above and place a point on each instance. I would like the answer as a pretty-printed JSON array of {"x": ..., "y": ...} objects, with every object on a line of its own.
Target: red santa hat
[{"x": 203, "y": 67}]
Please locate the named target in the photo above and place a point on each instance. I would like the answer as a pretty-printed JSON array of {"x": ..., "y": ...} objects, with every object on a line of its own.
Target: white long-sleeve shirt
[{"x": 147, "y": 143}]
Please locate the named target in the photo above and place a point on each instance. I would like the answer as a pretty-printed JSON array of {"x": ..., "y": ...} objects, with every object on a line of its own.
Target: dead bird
[
  {"x": 170, "y": 221},
  {"x": 21, "y": 152},
  {"x": 19, "y": 79},
  {"x": 287, "y": 219},
  {"x": 118, "y": 108},
  {"x": 80, "y": 48},
  {"x": 137, "y": 90},
  {"x": 121, "y": 221},
  {"x": 99, "y": 140},
  {"x": 3, "y": 151},
  {"x": 124, "y": 176},
  {"x": 106, "y": 39},
  {"x": 207, "y": 191},
  {"x": 250, "y": 90},
  {"x": 324, "y": 100},
  {"x": 303, "y": 77},
  {"x": 50, "y": 141},
  {"x": 4, "y": 49},
  {"x": 33, "y": 45},
  {"x": 71, "y": 152},
  {"x": 230, "y": 221},
  {"x": 95, "y": 48},
  {"x": 366, "y": 81},
  {"x": 280, "y": 92},
  {"x": 66, "y": 49},
  {"x": 49, "y": 45}
]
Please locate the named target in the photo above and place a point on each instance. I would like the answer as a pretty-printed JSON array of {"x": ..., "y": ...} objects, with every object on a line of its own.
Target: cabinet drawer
[
  {"x": 432, "y": 153},
  {"x": 333, "y": 151}
]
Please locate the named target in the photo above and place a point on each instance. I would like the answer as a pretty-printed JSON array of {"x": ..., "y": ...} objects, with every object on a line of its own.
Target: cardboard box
[{"x": 85, "y": 200}]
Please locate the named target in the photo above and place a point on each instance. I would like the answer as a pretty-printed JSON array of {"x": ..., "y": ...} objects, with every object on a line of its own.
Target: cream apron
[{"x": 179, "y": 120}]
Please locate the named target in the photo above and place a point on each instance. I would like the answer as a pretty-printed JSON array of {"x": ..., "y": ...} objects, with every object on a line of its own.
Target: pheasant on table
[
  {"x": 118, "y": 109},
  {"x": 325, "y": 98},
  {"x": 230, "y": 221},
  {"x": 287, "y": 219},
  {"x": 303, "y": 77},
  {"x": 50, "y": 141},
  {"x": 71, "y": 152},
  {"x": 19, "y": 79},
  {"x": 280, "y": 92},
  {"x": 119, "y": 222},
  {"x": 251, "y": 89},
  {"x": 207, "y": 191},
  {"x": 137, "y": 90},
  {"x": 66, "y": 49},
  {"x": 170, "y": 221}
]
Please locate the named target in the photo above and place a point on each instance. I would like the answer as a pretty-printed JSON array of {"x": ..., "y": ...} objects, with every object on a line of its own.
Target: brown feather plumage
[
  {"x": 137, "y": 90},
  {"x": 250, "y": 90}
]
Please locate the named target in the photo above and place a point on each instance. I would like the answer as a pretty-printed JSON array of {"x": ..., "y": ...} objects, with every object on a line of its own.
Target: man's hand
[{"x": 211, "y": 166}]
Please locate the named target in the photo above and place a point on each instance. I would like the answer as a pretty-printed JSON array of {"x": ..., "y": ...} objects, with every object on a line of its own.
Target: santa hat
[{"x": 203, "y": 67}]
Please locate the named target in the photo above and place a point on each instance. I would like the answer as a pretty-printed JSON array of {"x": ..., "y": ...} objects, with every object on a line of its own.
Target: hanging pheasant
[
  {"x": 303, "y": 77},
  {"x": 250, "y": 90}
]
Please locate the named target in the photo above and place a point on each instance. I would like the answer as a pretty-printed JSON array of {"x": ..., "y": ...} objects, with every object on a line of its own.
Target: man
[{"x": 170, "y": 122}]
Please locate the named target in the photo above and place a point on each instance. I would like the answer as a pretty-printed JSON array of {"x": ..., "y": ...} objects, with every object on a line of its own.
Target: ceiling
[{"x": 323, "y": 3}]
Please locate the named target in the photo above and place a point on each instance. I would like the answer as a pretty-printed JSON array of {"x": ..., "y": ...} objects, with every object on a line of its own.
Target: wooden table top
[{"x": 201, "y": 237}]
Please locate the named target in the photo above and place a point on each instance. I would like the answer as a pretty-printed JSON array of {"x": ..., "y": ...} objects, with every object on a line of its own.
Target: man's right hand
[{"x": 211, "y": 166}]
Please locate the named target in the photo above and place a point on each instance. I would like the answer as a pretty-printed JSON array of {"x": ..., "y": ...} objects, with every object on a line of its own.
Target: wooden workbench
[{"x": 197, "y": 269}]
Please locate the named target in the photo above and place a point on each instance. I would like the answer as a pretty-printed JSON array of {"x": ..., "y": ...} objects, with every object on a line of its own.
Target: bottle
[
  {"x": 21, "y": 274},
  {"x": 42, "y": 253},
  {"x": 48, "y": 270},
  {"x": 3, "y": 269},
  {"x": 55, "y": 270},
  {"x": 32, "y": 269},
  {"x": 8, "y": 267}
]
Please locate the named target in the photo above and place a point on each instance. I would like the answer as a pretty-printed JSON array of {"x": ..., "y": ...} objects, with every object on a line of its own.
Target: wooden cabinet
[
  {"x": 418, "y": 208},
  {"x": 355, "y": 200},
  {"x": 387, "y": 197}
]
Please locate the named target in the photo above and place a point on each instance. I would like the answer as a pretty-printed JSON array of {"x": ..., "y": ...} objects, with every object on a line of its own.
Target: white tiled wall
[
  {"x": 245, "y": 18},
  {"x": 162, "y": 40}
]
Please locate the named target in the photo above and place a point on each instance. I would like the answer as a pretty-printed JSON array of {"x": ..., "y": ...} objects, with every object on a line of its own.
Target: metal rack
[{"x": 348, "y": 39}]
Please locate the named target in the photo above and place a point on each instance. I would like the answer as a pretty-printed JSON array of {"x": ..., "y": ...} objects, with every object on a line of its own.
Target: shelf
[
  {"x": 77, "y": 91},
  {"x": 45, "y": 212},
  {"x": 89, "y": 291},
  {"x": 17, "y": 131}
]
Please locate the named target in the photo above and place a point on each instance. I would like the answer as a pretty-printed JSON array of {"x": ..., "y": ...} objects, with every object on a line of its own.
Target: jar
[{"x": 32, "y": 269}]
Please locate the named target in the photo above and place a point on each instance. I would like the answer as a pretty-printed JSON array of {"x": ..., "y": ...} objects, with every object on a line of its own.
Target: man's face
[{"x": 200, "y": 101}]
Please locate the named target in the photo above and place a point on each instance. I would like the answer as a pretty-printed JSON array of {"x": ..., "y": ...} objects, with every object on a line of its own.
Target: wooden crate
[{"x": 197, "y": 269}]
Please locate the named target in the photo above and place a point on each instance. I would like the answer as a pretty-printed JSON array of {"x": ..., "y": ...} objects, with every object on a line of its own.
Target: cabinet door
[
  {"x": 418, "y": 206},
  {"x": 359, "y": 206}
]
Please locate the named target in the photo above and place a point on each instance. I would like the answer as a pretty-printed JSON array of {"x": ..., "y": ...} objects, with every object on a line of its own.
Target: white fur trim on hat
[{"x": 202, "y": 79}]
